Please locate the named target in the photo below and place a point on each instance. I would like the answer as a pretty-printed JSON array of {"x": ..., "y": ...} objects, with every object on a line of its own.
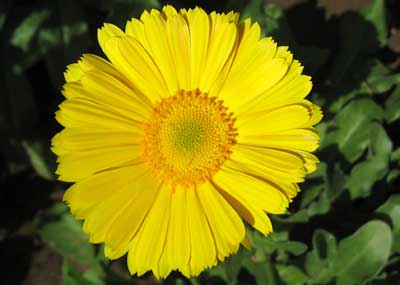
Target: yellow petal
[
  {"x": 82, "y": 195},
  {"x": 135, "y": 29},
  {"x": 257, "y": 67},
  {"x": 168, "y": 12},
  {"x": 132, "y": 266},
  {"x": 91, "y": 62},
  {"x": 77, "y": 166},
  {"x": 292, "y": 86},
  {"x": 286, "y": 117},
  {"x": 115, "y": 254},
  {"x": 88, "y": 114},
  {"x": 107, "y": 32},
  {"x": 221, "y": 46},
  {"x": 199, "y": 32},
  {"x": 310, "y": 161},
  {"x": 316, "y": 115},
  {"x": 227, "y": 227},
  {"x": 164, "y": 268},
  {"x": 127, "y": 54},
  {"x": 79, "y": 140},
  {"x": 108, "y": 91},
  {"x": 152, "y": 235},
  {"x": 203, "y": 251},
  {"x": 156, "y": 34},
  {"x": 251, "y": 214},
  {"x": 126, "y": 225},
  {"x": 179, "y": 43},
  {"x": 296, "y": 139},
  {"x": 73, "y": 73},
  {"x": 178, "y": 238},
  {"x": 270, "y": 163},
  {"x": 101, "y": 217},
  {"x": 260, "y": 194}
]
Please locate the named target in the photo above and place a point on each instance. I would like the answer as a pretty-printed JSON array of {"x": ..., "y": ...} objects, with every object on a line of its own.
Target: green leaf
[
  {"x": 277, "y": 241},
  {"x": 363, "y": 254},
  {"x": 310, "y": 195},
  {"x": 335, "y": 180},
  {"x": 252, "y": 10},
  {"x": 381, "y": 145},
  {"x": 2, "y": 20},
  {"x": 24, "y": 33},
  {"x": 366, "y": 173},
  {"x": 392, "y": 106},
  {"x": 375, "y": 14},
  {"x": 353, "y": 125},
  {"x": 65, "y": 234},
  {"x": 363, "y": 176},
  {"x": 320, "y": 206},
  {"x": 292, "y": 275},
  {"x": 391, "y": 208},
  {"x": 275, "y": 25},
  {"x": 263, "y": 272},
  {"x": 233, "y": 264},
  {"x": 41, "y": 158},
  {"x": 392, "y": 175},
  {"x": 395, "y": 155},
  {"x": 294, "y": 247},
  {"x": 124, "y": 10},
  {"x": 319, "y": 262},
  {"x": 74, "y": 277},
  {"x": 380, "y": 79}
]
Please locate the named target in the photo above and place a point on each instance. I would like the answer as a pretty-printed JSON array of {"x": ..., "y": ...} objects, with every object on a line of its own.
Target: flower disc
[{"x": 187, "y": 138}]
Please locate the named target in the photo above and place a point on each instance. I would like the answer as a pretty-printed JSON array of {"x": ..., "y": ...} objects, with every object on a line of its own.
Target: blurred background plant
[{"x": 343, "y": 228}]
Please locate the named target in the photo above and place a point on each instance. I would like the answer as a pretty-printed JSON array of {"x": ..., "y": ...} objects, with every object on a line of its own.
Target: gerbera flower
[{"x": 191, "y": 127}]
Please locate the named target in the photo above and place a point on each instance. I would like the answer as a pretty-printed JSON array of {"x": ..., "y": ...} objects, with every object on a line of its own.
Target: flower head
[{"x": 192, "y": 126}]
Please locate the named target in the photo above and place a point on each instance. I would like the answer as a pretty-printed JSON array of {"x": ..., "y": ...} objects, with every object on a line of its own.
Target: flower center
[{"x": 187, "y": 138}]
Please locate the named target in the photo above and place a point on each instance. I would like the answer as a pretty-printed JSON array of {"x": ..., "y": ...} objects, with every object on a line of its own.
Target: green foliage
[
  {"x": 344, "y": 226},
  {"x": 362, "y": 255}
]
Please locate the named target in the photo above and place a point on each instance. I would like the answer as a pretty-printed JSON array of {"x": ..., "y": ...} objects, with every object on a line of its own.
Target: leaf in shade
[
  {"x": 292, "y": 275},
  {"x": 252, "y": 10},
  {"x": 123, "y": 10},
  {"x": 41, "y": 158},
  {"x": 363, "y": 175},
  {"x": 366, "y": 173},
  {"x": 72, "y": 243},
  {"x": 2, "y": 20},
  {"x": 381, "y": 145},
  {"x": 73, "y": 277},
  {"x": 395, "y": 155},
  {"x": 277, "y": 241},
  {"x": 380, "y": 79},
  {"x": 376, "y": 15},
  {"x": 264, "y": 272},
  {"x": 391, "y": 208},
  {"x": 363, "y": 254},
  {"x": 24, "y": 33},
  {"x": 353, "y": 126},
  {"x": 319, "y": 262},
  {"x": 274, "y": 24},
  {"x": 231, "y": 267},
  {"x": 392, "y": 106}
]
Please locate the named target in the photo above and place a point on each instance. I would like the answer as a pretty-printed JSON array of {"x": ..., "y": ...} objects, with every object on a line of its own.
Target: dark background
[{"x": 351, "y": 50}]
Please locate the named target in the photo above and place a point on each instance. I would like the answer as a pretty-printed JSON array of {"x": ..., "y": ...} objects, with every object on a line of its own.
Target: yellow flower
[{"x": 193, "y": 125}]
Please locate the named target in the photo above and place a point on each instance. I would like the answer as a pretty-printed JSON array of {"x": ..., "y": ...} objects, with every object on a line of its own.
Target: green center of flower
[{"x": 187, "y": 138}]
